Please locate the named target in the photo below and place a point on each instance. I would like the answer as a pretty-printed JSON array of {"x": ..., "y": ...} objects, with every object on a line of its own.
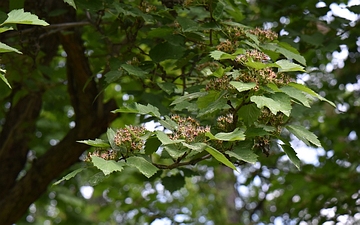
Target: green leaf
[
  {"x": 212, "y": 102},
  {"x": 110, "y": 133},
  {"x": 113, "y": 76},
  {"x": 96, "y": 143},
  {"x": 165, "y": 140},
  {"x": 290, "y": 152},
  {"x": 199, "y": 147},
  {"x": 69, "y": 175},
  {"x": 243, "y": 151},
  {"x": 309, "y": 91},
  {"x": 152, "y": 145},
  {"x": 285, "y": 49},
  {"x": 303, "y": 134},
  {"x": 107, "y": 166},
  {"x": 2, "y": 76},
  {"x": 175, "y": 150},
  {"x": 164, "y": 51},
  {"x": 249, "y": 113},
  {"x": 240, "y": 86},
  {"x": 275, "y": 105},
  {"x": 217, "y": 55},
  {"x": 3, "y": 29},
  {"x": 18, "y": 16},
  {"x": 132, "y": 70},
  {"x": 168, "y": 123},
  {"x": 187, "y": 24},
  {"x": 296, "y": 94},
  {"x": 139, "y": 108},
  {"x": 167, "y": 87},
  {"x": 218, "y": 11},
  {"x": 7, "y": 48},
  {"x": 259, "y": 65},
  {"x": 188, "y": 97},
  {"x": 287, "y": 66},
  {"x": 236, "y": 135},
  {"x": 173, "y": 183},
  {"x": 219, "y": 157},
  {"x": 142, "y": 165},
  {"x": 71, "y": 3}
]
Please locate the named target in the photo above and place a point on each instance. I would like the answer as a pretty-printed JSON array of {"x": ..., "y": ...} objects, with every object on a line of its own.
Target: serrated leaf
[
  {"x": 187, "y": 24},
  {"x": 236, "y": 135},
  {"x": 296, "y": 94},
  {"x": 212, "y": 102},
  {"x": 166, "y": 50},
  {"x": 287, "y": 66},
  {"x": 188, "y": 97},
  {"x": 249, "y": 113},
  {"x": 240, "y": 86},
  {"x": 18, "y": 16},
  {"x": 139, "y": 108},
  {"x": 173, "y": 183},
  {"x": 3, "y": 29},
  {"x": 96, "y": 178},
  {"x": 243, "y": 151},
  {"x": 303, "y": 134},
  {"x": 217, "y": 55},
  {"x": 175, "y": 150},
  {"x": 165, "y": 140},
  {"x": 168, "y": 123},
  {"x": 259, "y": 65},
  {"x": 167, "y": 87},
  {"x": 69, "y": 175},
  {"x": 71, "y": 3},
  {"x": 107, "y": 166},
  {"x": 113, "y": 76},
  {"x": 274, "y": 106},
  {"x": 151, "y": 145},
  {"x": 219, "y": 157},
  {"x": 3, "y": 78},
  {"x": 110, "y": 133},
  {"x": 309, "y": 91},
  {"x": 290, "y": 152},
  {"x": 199, "y": 147},
  {"x": 145, "y": 167},
  {"x": 7, "y": 48},
  {"x": 96, "y": 143},
  {"x": 286, "y": 50},
  {"x": 133, "y": 70}
]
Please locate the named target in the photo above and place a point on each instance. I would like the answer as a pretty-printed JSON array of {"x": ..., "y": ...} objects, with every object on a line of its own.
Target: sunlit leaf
[
  {"x": 219, "y": 157},
  {"x": 303, "y": 134},
  {"x": 133, "y": 70},
  {"x": 287, "y": 66},
  {"x": 139, "y": 108},
  {"x": 107, "y": 166},
  {"x": 71, "y": 3},
  {"x": 69, "y": 175},
  {"x": 296, "y": 94},
  {"x": 96, "y": 143},
  {"x": 142, "y": 165},
  {"x": 244, "y": 153},
  {"x": 309, "y": 91},
  {"x": 188, "y": 97},
  {"x": 18, "y": 16},
  {"x": 7, "y": 48},
  {"x": 236, "y": 135},
  {"x": 274, "y": 105},
  {"x": 2, "y": 76},
  {"x": 240, "y": 86},
  {"x": 286, "y": 50},
  {"x": 290, "y": 152}
]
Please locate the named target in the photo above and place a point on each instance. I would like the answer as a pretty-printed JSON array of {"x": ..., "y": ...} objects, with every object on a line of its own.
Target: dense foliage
[{"x": 213, "y": 87}]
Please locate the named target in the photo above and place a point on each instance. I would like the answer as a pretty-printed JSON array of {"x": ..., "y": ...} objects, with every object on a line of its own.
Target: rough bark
[{"x": 92, "y": 119}]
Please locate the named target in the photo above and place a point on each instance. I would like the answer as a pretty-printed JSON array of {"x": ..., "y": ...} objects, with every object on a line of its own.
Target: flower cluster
[
  {"x": 146, "y": 7},
  {"x": 253, "y": 54},
  {"x": 264, "y": 35},
  {"x": 129, "y": 138},
  {"x": 107, "y": 154},
  {"x": 188, "y": 129},
  {"x": 221, "y": 83},
  {"x": 224, "y": 122},
  {"x": 226, "y": 46}
]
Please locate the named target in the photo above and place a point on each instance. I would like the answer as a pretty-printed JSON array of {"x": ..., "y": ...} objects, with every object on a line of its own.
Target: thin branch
[{"x": 179, "y": 164}]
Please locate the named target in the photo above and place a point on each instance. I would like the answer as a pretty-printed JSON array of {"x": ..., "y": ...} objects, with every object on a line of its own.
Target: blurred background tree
[{"x": 45, "y": 85}]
